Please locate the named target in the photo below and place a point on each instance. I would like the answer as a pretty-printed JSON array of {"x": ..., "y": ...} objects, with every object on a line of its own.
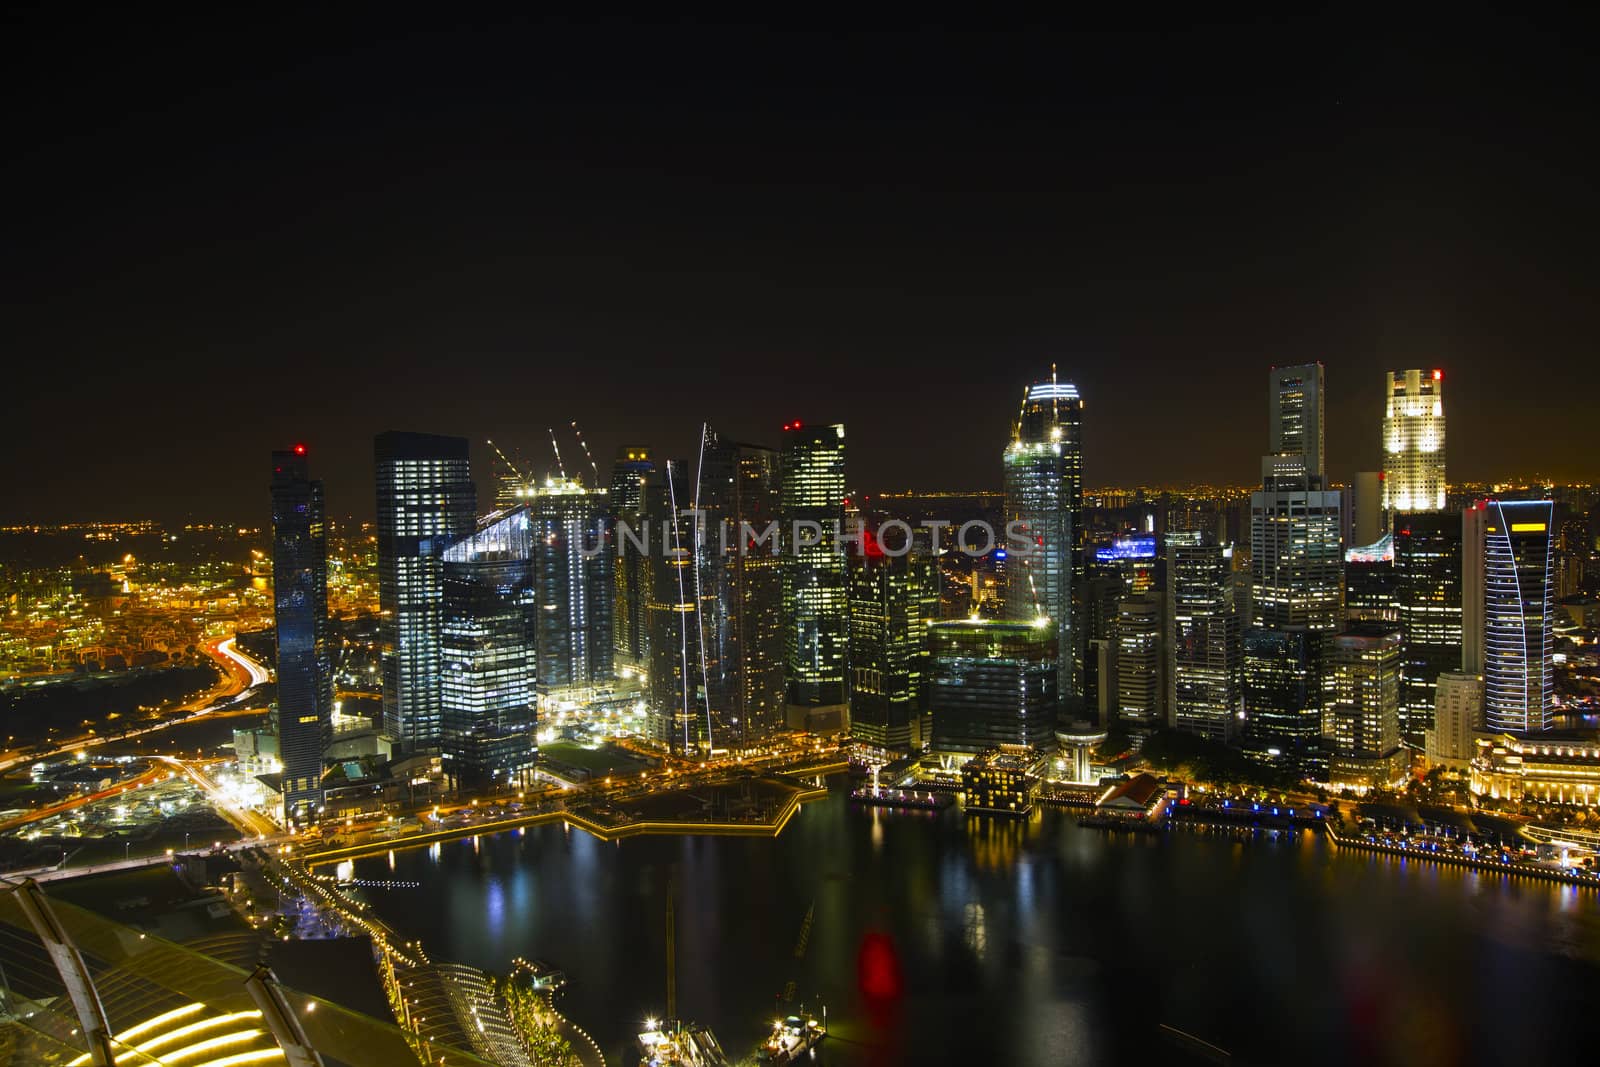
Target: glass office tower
[
  {"x": 1427, "y": 597},
  {"x": 740, "y": 575},
  {"x": 426, "y": 502},
  {"x": 893, "y": 599},
  {"x": 1043, "y": 476},
  {"x": 487, "y": 672},
  {"x": 1518, "y": 614},
  {"x": 573, "y": 583},
  {"x": 814, "y": 594},
  {"x": 626, "y": 503},
  {"x": 994, "y": 683},
  {"x": 1203, "y": 636},
  {"x": 300, "y": 611}
]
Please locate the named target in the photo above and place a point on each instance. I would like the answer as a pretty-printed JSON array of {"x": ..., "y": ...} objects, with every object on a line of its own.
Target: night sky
[{"x": 224, "y": 237}]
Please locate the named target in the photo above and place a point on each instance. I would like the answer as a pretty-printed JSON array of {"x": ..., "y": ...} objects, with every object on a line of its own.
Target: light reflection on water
[{"x": 1046, "y": 942}]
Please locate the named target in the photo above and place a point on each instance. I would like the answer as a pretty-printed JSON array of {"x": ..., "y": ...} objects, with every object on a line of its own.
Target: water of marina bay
[{"x": 1022, "y": 942}]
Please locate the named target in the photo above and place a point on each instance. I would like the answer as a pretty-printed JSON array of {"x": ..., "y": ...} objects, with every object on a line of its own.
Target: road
[
  {"x": 152, "y": 775},
  {"x": 240, "y": 673},
  {"x": 251, "y": 824}
]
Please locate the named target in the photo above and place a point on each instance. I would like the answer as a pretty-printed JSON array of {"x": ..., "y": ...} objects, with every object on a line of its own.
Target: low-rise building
[
  {"x": 1549, "y": 768},
  {"x": 1003, "y": 780}
]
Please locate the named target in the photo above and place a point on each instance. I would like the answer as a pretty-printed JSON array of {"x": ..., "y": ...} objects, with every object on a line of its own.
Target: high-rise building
[
  {"x": 1361, "y": 705},
  {"x": 1283, "y": 693},
  {"x": 1043, "y": 467},
  {"x": 426, "y": 502},
  {"x": 1518, "y": 614},
  {"x": 1427, "y": 596},
  {"x": 1295, "y": 524},
  {"x": 1203, "y": 640},
  {"x": 487, "y": 677},
  {"x": 893, "y": 599},
  {"x": 994, "y": 683},
  {"x": 815, "y": 599},
  {"x": 300, "y": 611},
  {"x": 676, "y": 695},
  {"x": 1459, "y": 708},
  {"x": 1413, "y": 442},
  {"x": 573, "y": 583},
  {"x": 741, "y": 588},
  {"x": 1140, "y": 663},
  {"x": 626, "y": 502},
  {"x": 1366, "y": 516},
  {"x": 1294, "y": 426},
  {"x": 1369, "y": 582},
  {"x": 1296, "y": 566}
]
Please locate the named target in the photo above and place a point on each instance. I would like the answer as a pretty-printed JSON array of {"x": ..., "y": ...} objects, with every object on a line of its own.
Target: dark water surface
[{"x": 967, "y": 939}]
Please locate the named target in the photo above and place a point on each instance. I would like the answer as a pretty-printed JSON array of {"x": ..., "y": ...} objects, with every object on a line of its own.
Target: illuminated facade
[
  {"x": 1294, "y": 422},
  {"x": 1203, "y": 636},
  {"x": 1518, "y": 614},
  {"x": 626, "y": 503},
  {"x": 1140, "y": 663},
  {"x": 300, "y": 611},
  {"x": 1413, "y": 442},
  {"x": 426, "y": 502},
  {"x": 1458, "y": 708},
  {"x": 1282, "y": 684},
  {"x": 893, "y": 599},
  {"x": 740, "y": 597},
  {"x": 815, "y": 600},
  {"x": 1427, "y": 597},
  {"x": 994, "y": 683},
  {"x": 487, "y": 657},
  {"x": 676, "y": 705},
  {"x": 1552, "y": 769},
  {"x": 572, "y": 578},
  {"x": 1361, "y": 705},
  {"x": 1043, "y": 471}
]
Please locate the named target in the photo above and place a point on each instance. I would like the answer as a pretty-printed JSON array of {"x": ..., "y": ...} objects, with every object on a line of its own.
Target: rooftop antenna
[
  {"x": 557, "y": 449},
  {"x": 587, "y": 454}
]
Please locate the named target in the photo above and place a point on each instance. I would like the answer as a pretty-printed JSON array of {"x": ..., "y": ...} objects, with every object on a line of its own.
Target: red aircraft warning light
[{"x": 299, "y": 450}]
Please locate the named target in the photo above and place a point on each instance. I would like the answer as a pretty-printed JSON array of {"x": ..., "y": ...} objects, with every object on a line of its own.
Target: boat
[
  {"x": 793, "y": 1037},
  {"x": 903, "y": 798},
  {"x": 674, "y": 1043}
]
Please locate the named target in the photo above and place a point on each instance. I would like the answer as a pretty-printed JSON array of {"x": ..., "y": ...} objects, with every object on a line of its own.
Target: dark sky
[{"x": 224, "y": 236}]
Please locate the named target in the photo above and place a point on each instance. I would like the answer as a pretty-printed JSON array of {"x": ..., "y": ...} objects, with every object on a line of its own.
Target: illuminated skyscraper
[
  {"x": 1294, "y": 425},
  {"x": 300, "y": 611},
  {"x": 1427, "y": 568},
  {"x": 1518, "y": 613},
  {"x": 815, "y": 599},
  {"x": 740, "y": 577},
  {"x": 1361, "y": 705},
  {"x": 487, "y": 657},
  {"x": 1413, "y": 442},
  {"x": 1043, "y": 467},
  {"x": 1140, "y": 657},
  {"x": 994, "y": 683},
  {"x": 676, "y": 695},
  {"x": 626, "y": 503},
  {"x": 572, "y": 577},
  {"x": 1295, "y": 524},
  {"x": 1283, "y": 693},
  {"x": 426, "y": 502},
  {"x": 893, "y": 599},
  {"x": 1203, "y": 634}
]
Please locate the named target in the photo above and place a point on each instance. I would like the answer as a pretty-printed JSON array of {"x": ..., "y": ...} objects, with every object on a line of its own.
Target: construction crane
[
  {"x": 587, "y": 454},
  {"x": 508, "y": 486}
]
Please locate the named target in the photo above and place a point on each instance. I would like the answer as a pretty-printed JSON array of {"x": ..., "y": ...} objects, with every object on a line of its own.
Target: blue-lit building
[
  {"x": 300, "y": 611},
  {"x": 1043, "y": 482},
  {"x": 426, "y": 502},
  {"x": 487, "y": 670},
  {"x": 1513, "y": 603},
  {"x": 573, "y": 582}
]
